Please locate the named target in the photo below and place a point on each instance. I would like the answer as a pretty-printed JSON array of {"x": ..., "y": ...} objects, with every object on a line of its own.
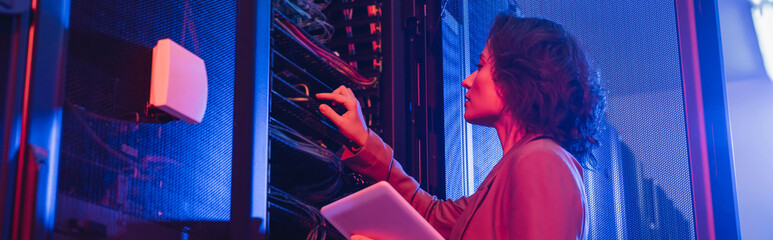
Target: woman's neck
[{"x": 508, "y": 131}]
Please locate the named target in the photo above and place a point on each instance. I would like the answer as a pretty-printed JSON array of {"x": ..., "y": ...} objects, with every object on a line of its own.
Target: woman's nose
[{"x": 467, "y": 83}]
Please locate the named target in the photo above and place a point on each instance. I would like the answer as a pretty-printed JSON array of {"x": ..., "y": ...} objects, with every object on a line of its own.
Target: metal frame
[
  {"x": 249, "y": 184},
  {"x": 434, "y": 161},
  {"x": 424, "y": 104},
  {"x": 41, "y": 116},
  {"x": 11, "y": 128},
  {"x": 394, "y": 110},
  {"x": 710, "y": 148}
]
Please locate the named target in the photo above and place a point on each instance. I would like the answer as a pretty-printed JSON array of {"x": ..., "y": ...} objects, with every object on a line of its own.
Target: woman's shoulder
[
  {"x": 543, "y": 153},
  {"x": 540, "y": 147}
]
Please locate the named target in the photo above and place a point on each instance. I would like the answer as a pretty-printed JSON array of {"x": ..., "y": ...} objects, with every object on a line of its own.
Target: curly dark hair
[{"x": 547, "y": 82}]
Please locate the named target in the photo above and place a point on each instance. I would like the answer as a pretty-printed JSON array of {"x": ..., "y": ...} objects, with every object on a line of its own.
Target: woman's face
[{"x": 484, "y": 105}]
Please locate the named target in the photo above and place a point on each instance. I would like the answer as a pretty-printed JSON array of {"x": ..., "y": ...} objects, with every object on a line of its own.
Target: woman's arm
[{"x": 375, "y": 160}]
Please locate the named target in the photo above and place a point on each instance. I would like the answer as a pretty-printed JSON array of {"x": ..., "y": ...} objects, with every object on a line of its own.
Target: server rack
[
  {"x": 386, "y": 42},
  {"x": 300, "y": 181}
]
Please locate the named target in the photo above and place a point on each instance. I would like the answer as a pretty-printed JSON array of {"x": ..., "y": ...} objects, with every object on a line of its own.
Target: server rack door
[{"x": 127, "y": 171}]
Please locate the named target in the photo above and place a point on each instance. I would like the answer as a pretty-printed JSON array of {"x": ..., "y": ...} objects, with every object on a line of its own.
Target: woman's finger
[
  {"x": 350, "y": 103},
  {"x": 353, "y": 102},
  {"x": 346, "y": 92},
  {"x": 331, "y": 114},
  {"x": 333, "y": 97},
  {"x": 340, "y": 90}
]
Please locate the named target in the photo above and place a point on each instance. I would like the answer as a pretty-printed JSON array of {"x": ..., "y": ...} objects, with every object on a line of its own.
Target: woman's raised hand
[{"x": 351, "y": 123}]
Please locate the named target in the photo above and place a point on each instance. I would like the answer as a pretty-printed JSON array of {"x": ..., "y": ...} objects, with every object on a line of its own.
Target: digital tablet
[{"x": 378, "y": 212}]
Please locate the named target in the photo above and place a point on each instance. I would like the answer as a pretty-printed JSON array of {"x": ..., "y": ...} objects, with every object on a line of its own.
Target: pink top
[{"x": 534, "y": 192}]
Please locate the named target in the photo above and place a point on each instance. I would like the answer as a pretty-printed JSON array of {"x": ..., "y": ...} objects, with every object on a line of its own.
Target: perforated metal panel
[
  {"x": 141, "y": 179},
  {"x": 642, "y": 190},
  {"x": 453, "y": 100}
]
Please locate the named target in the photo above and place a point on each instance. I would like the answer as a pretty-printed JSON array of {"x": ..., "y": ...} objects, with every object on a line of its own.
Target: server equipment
[{"x": 83, "y": 155}]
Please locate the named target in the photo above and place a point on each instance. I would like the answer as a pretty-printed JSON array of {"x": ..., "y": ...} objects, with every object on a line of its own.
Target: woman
[{"x": 535, "y": 86}]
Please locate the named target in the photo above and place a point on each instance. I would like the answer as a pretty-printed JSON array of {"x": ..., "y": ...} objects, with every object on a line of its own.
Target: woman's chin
[
  {"x": 468, "y": 119},
  {"x": 485, "y": 121},
  {"x": 475, "y": 121}
]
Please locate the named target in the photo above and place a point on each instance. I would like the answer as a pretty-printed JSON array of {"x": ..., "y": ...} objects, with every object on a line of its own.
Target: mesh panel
[
  {"x": 487, "y": 151},
  {"x": 175, "y": 175},
  {"x": 453, "y": 98},
  {"x": 642, "y": 190}
]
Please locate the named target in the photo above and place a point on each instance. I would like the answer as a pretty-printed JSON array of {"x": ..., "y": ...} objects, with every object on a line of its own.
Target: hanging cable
[
  {"x": 305, "y": 98},
  {"x": 308, "y": 15},
  {"x": 322, "y": 190},
  {"x": 328, "y": 57},
  {"x": 318, "y": 231}
]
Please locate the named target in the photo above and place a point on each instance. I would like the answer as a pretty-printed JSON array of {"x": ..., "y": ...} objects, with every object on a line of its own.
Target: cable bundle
[
  {"x": 308, "y": 15},
  {"x": 293, "y": 138},
  {"x": 323, "y": 190},
  {"x": 320, "y": 225},
  {"x": 328, "y": 57}
]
